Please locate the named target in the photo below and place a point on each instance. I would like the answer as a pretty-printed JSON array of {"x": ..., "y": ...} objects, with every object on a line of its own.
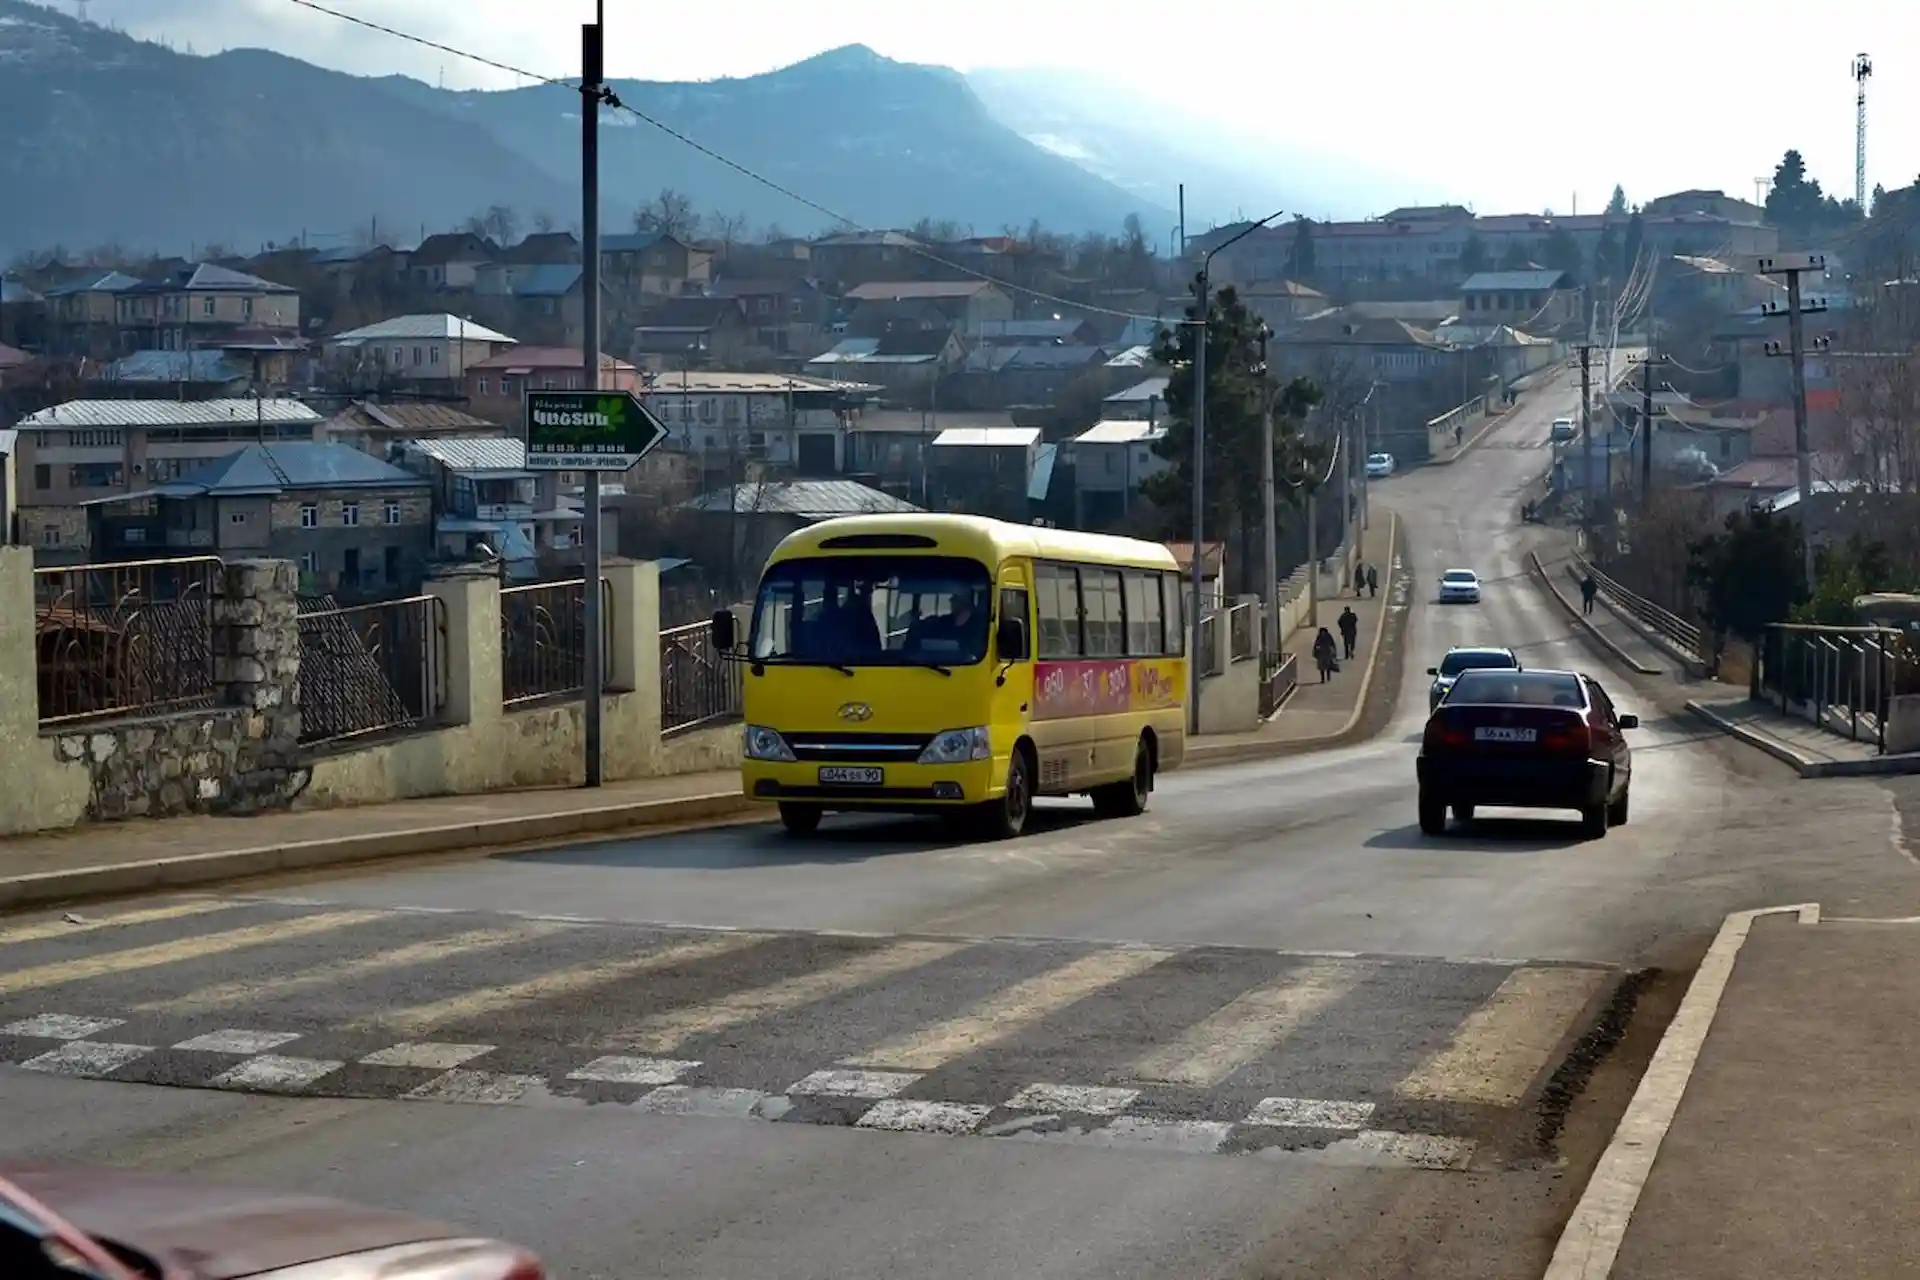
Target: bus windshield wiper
[{"x": 934, "y": 666}]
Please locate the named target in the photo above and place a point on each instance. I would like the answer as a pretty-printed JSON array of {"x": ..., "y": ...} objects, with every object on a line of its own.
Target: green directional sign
[{"x": 589, "y": 430}]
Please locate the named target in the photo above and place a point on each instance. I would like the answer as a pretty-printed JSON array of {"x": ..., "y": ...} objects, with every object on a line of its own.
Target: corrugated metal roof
[
  {"x": 988, "y": 437},
  {"x": 547, "y": 280},
  {"x": 103, "y": 282},
  {"x": 1112, "y": 432},
  {"x": 278, "y": 468},
  {"x": 1483, "y": 281},
  {"x": 176, "y": 366},
  {"x": 166, "y": 413},
  {"x": 807, "y": 499},
  {"x": 480, "y": 453},
  {"x": 1141, "y": 392},
  {"x": 13, "y": 292},
  {"x": 441, "y": 326}
]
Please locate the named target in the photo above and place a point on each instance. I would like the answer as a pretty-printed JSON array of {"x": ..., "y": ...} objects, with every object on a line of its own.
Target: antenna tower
[
  {"x": 1862, "y": 69},
  {"x": 80, "y": 10}
]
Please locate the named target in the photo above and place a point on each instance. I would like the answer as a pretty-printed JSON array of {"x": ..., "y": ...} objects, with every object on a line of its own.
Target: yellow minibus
[{"x": 961, "y": 666}]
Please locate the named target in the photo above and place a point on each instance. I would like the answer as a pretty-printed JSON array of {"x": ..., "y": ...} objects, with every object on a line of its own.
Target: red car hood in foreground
[{"x": 199, "y": 1232}]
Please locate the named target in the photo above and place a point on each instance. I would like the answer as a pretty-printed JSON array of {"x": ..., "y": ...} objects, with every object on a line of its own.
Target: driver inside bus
[{"x": 958, "y": 636}]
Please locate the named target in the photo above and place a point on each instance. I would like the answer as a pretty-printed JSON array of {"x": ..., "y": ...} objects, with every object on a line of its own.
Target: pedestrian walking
[
  {"x": 1588, "y": 588},
  {"x": 1325, "y": 656},
  {"x": 1349, "y": 629},
  {"x": 1373, "y": 581}
]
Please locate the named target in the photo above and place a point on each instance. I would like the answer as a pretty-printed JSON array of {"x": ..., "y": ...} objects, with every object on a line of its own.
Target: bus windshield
[{"x": 873, "y": 610}]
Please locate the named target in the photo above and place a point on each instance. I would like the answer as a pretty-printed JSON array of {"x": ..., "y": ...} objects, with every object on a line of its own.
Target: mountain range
[{"x": 113, "y": 139}]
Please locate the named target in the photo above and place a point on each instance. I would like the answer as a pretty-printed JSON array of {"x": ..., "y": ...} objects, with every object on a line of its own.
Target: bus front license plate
[{"x": 840, "y": 776}]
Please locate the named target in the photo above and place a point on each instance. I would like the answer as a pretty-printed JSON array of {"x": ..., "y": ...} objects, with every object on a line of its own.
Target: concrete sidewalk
[
  {"x": 1813, "y": 752},
  {"x": 1791, "y": 1152}
]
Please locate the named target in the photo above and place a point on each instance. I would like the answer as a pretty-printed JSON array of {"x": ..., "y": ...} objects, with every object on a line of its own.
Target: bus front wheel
[
  {"x": 1006, "y": 818},
  {"x": 800, "y": 819}
]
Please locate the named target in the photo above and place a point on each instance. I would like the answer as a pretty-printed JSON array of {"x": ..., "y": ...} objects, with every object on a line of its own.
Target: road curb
[
  {"x": 1606, "y": 641},
  {"x": 1902, "y": 764},
  {"x": 1200, "y": 756},
  {"x": 1591, "y": 1240},
  {"x": 1692, "y": 663},
  {"x": 72, "y": 883}
]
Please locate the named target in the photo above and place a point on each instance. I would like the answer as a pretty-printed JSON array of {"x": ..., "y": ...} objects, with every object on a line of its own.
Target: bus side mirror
[
  {"x": 1010, "y": 641},
  {"x": 723, "y": 637}
]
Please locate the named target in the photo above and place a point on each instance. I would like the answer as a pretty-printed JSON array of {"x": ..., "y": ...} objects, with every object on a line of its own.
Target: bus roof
[{"x": 979, "y": 538}]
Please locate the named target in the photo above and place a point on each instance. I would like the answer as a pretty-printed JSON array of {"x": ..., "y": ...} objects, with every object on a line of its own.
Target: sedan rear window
[
  {"x": 1518, "y": 689},
  {"x": 1459, "y": 575},
  {"x": 1454, "y": 663}
]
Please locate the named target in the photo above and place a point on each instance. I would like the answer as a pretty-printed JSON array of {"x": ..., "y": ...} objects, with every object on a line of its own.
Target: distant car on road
[
  {"x": 1562, "y": 430},
  {"x": 1526, "y": 740},
  {"x": 1379, "y": 465},
  {"x": 1459, "y": 586},
  {"x": 1459, "y": 661}
]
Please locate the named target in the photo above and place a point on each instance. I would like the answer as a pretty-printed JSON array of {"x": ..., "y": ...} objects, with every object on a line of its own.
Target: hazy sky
[{"x": 1504, "y": 104}]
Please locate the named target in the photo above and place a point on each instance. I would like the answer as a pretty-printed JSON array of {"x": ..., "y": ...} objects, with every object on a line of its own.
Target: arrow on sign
[{"x": 589, "y": 430}]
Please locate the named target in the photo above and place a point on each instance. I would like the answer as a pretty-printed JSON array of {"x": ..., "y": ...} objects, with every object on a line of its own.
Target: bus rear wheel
[
  {"x": 1006, "y": 818},
  {"x": 800, "y": 819},
  {"x": 1127, "y": 799}
]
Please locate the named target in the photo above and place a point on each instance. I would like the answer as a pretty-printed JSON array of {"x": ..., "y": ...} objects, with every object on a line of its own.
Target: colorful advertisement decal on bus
[{"x": 1104, "y": 687}]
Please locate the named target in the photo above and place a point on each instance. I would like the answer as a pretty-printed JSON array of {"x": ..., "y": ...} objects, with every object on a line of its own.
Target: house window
[
  {"x": 506, "y": 386},
  {"x": 246, "y": 308},
  {"x": 480, "y": 386},
  {"x": 236, "y": 517},
  {"x": 206, "y": 306},
  {"x": 433, "y": 355},
  {"x": 417, "y": 362},
  {"x": 399, "y": 355},
  {"x": 43, "y": 476},
  {"x": 309, "y": 516},
  {"x": 49, "y": 537},
  {"x": 350, "y": 514},
  {"x": 392, "y": 513},
  {"x": 309, "y": 562},
  {"x": 546, "y": 383},
  {"x": 93, "y": 475}
]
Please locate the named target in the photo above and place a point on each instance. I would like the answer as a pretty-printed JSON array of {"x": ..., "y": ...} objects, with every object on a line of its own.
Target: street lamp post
[{"x": 1195, "y": 636}]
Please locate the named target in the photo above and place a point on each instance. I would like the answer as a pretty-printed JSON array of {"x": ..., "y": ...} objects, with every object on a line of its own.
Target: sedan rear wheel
[
  {"x": 1593, "y": 821},
  {"x": 1433, "y": 814}
]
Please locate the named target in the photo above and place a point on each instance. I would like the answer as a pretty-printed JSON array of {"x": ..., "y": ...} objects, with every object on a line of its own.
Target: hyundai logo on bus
[
  {"x": 589, "y": 430},
  {"x": 856, "y": 712}
]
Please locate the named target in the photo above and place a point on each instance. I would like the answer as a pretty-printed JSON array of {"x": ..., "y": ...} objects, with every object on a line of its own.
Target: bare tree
[
  {"x": 670, "y": 214},
  {"x": 543, "y": 222},
  {"x": 729, "y": 229}
]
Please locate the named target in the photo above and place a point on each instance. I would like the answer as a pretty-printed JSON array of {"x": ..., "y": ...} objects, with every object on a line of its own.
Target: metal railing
[
  {"x": 1664, "y": 622},
  {"x": 1279, "y": 676},
  {"x": 697, "y": 686},
  {"x": 1243, "y": 632},
  {"x": 1209, "y": 656},
  {"x": 125, "y": 639},
  {"x": 1841, "y": 679},
  {"x": 543, "y": 639},
  {"x": 372, "y": 668}
]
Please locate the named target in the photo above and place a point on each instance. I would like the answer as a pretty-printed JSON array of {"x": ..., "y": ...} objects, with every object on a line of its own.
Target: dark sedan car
[{"x": 1526, "y": 740}]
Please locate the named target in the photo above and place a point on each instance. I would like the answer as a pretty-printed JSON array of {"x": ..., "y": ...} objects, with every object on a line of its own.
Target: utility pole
[
  {"x": 592, "y": 92},
  {"x": 1270, "y": 536},
  {"x": 1586, "y": 440},
  {"x": 1648, "y": 364},
  {"x": 1793, "y": 266}
]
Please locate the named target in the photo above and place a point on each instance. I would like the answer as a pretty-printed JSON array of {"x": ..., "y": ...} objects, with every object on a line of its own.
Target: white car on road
[
  {"x": 1459, "y": 586},
  {"x": 1562, "y": 430},
  {"x": 1379, "y": 465}
]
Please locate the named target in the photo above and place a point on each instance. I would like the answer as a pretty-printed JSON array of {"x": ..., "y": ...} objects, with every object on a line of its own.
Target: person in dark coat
[
  {"x": 1325, "y": 656},
  {"x": 1373, "y": 581},
  {"x": 1349, "y": 629},
  {"x": 1588, "y": 589}
]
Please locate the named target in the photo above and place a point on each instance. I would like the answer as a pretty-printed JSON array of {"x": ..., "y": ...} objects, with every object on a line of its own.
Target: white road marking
[
  {"x": 854, "y": 1084},
  {"x": 244, "y": 1043},
  {"x": 109, "y": 963},
  {"x": 1413, "y": 1150},
  {"x": 1201, "y": 1137},
  {"x": 614, "y": 1070},
  {"x": 1008, "y": 1012},
  {"x": 430, "y": 1055},
  {"x": 61, "y": 927},
  {"x": 87, "y": 1058},
  {"x": 1084, "y": 1099},
  {"x": 487, "y": 1088},
  {"x": 1250, "y": 1025},
  {"x": 900, "y": 1116},
  {"x": 697, "y": 1100},
  {"x": 60, "y": 1026},
  {"x": 1497, "y": 1051},
  {"x": 1311, "y": 1113},
  {"x": 272, "y": 1073}
]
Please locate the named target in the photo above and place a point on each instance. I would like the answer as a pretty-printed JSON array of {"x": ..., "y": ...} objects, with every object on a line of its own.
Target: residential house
[
  {"x": 1531, "y": 301},
  {"x": 544, "y": 248},
  {"x": 23, "y": 315},
  {"x": 1429, "y": 314},
  {"x": 16, "y": 367},
  {"x": 82, "y": 450},
  {"x": 903, "y": 362},
  {"x": 651, "y": 264},
  {"x": 484, "y": 496},
  {"x": 892, "y": 449},
  {"x": 413, "y": 352},
  {"x": 1714, "y": 204},
  {"x": 1688, "y": 283},
  {"x": 203, "y": 305},
  {"x": 998, "y": 377},
  {"x": 983, "y": 470},
  {"x": 1110, "y": 460},
  {"x": 1144, "y": 401},
  {"x": 544, "y": 301},
  {"x": 692, "y": 332},
  {"x": 860, "y": 256},
  {"x": 497, "y": 386},
  {"x": 378, "y": 429},
  {"x": 184, "y": 375},
  {"x": 760, "y": 513},
  {"x": 1282, "y": 303},
  {"x": 450, "y": 260},
  {"x": 797, "y": 424},
  {"x": 355, "y": 525},
  {"x": 1704, "y": 235},
  {"x": 1336, "y": 345},
  {"x": 1058, "y": 332},
  {"x": 788, "y": 317},
  {"x": 83, "y": 315},
  {"x": 883, "y": 306}
]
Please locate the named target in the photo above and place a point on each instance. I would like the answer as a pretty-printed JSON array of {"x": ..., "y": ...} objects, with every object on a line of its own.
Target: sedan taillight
[{"x": 472, "y": 1259}]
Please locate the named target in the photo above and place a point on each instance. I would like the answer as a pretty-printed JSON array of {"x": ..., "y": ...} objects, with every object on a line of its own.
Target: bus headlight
[
  {"x": 762, "y": 743},
  {"x": 955, "y": 746}
]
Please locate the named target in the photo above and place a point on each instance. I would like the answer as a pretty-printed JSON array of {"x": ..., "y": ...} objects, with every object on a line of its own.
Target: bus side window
[
  {"x": 1013, "y": 605},
  {"x": 1173, "y": 610},
  {"x": 1106, "y": 621},
  {"x": 1059, "y": 601},
  {"x": 1143, "y": 614}
]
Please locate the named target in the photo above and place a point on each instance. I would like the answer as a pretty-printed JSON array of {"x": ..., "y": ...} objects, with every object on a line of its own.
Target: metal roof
[
  {"x": 807, "y": 499},
  {"x": 1121, "y": 432},
  {"x": 102, "y": 282},
  {"x": 1141, "y": 392},
  {"x": 478, "y": 453},
  {"x": 167, "y": 413},
  {"x": 442, "y": 327},
  {"x": 988, "y": 437},
  {"x": 176, "y": 366},
  {"x": 1522, "y": 281},
  {"x": 13, "y": 291},
  {"x": 715, "y": 382},
  {"x": 261, "y": 469}
]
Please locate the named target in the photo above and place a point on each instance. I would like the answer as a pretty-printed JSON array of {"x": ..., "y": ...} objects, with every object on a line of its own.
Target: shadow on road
[
  {"x": 1484, "y": 835},
  {"x": 842, "y": 838}
]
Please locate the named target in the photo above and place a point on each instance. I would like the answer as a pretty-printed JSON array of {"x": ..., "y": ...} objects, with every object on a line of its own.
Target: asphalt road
[{"x": 1267, "y": 1030}]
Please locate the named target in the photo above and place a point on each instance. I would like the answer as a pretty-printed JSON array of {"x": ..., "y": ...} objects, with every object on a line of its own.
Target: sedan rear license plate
[
  {"x": 1505, "y": 735},
  {"x": 841, "y": 776}
]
